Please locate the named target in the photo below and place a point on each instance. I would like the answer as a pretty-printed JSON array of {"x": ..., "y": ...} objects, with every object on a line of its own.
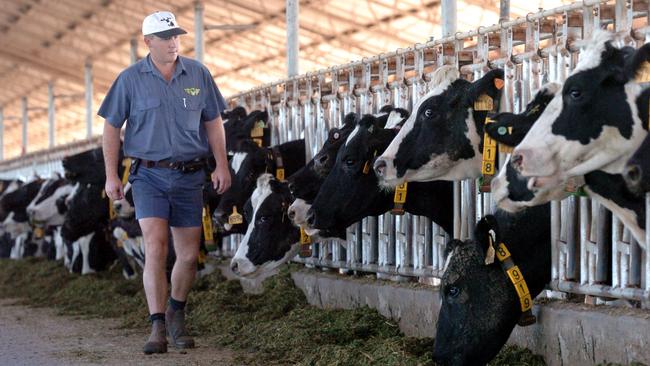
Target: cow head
[
  {"x": 597, "y": 121},
  {"x": 510, "y": 189},
  {"x": 350, "y": 192},
  {"x": 125, "y": 208},
  {"x": 479, "y": 305},
  {"x": 246, "y": 165},
  {"x": 239, "y": 130},
  {"x": 43, "y": 208},
  {"x": 86, "y": 167},
  {"x": 324, "y": 159},
  {"x": 441, "y": 140},
  {"x": 87, "y": 210},
  {"x": 271, "y": 239},
  {"x": 16, "y": 201}
]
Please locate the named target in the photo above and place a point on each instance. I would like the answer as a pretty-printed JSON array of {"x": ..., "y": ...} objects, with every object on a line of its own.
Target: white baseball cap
[{"x": 162, "y": 24}]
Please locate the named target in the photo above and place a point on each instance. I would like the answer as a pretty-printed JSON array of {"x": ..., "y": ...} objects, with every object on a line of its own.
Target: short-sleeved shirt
[{"x": 164, "y": 120}]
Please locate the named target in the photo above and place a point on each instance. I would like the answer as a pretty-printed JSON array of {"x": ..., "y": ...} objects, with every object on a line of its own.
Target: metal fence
[{"x": 593, "y": 254}]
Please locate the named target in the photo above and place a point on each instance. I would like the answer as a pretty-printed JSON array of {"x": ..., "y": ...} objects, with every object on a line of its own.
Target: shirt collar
[{"x": 147, "y": 66}]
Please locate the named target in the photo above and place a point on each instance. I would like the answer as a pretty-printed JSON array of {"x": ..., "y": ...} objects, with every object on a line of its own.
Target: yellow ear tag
[
  {"x": 489, "y": 152},
  {"x": 258, "y": 129},
  {"x": 304, "y": 238},
  {"x": 484, "y": 103},
  {"x": 207, "y": 227},
  {"x": 111, "y": 211},
  {"x": 643, "y": 74},
  {"x": 279, "y": 174},
  {"x": 400, "y": 193},
  {"x": 39, "y": 233},
  {"x": 258, "y": 141},
  {"x": 235, "y": 217},
  {"x": 366, "y": 167}
]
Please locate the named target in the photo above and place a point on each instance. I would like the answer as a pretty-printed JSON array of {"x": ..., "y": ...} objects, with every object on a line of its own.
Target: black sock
[
  {"x": 175, "y": 304},
  {"x": 157, "y": 316}
]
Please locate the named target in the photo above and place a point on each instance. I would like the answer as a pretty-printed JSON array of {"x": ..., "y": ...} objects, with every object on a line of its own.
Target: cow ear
[
  {"x": 350, "y": 120},
  {"x": 487, "y": 230},
  {"x": 491, "y": 84},
  {"x": 638, "y": 64},
  {"x": 503, "y": 128},
  {"x": 369, "y": 122},
  {"x": 451, "y": 246}
]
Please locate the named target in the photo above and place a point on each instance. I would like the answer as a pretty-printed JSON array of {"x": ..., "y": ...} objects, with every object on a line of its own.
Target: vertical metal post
[
  {"x": 604, "y": 245},
  {"x": 504, "y": 11},
  {"x": 50, "y": 114},
  {"x": 198, "y": 31},
  {"x": 134, "y": 50},
  {"x": 25, "y": 119},
  {"x": 2, "y": 133},
  {"x": 292, "y": 37},
  {"x": 89, "y": 97},
  {"x": 448, "y": 16}
]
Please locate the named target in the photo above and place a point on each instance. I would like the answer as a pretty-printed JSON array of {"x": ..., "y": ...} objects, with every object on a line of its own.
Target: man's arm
[
  {"x": 217, "y": 139},
  {"x": 111, "y": 149}
]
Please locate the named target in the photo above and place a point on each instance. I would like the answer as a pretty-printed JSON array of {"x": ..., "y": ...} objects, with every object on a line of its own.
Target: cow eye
[
  {"x": 453, "y": 291},
  {"x": 350, "y": 162},
  {"x": 428, "y": 113},
  {"x": 575, "y": 94}
]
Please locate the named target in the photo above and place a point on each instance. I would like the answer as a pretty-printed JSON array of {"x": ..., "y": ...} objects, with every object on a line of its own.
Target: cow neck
[{"x": 516, "y": 277}]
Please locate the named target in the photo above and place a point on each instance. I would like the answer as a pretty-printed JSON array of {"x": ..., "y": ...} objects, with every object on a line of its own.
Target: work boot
[
  {"x": 175, "y": 320},
  {"x": 157, "y": 342}
]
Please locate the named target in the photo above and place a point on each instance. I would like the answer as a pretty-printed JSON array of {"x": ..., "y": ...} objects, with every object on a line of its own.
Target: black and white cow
[
  {"x": 479, "y": 305},
  {"x": 596, "y": 123},
  {"x": 441, "y": 140},
  {"x": 247, "y": 165},
  {"x": 510, "y": 189},
  {"x": 86, "y": 167},
  {"x": 15, "y": 224},
  {"x": 271, "y": 238},
  {"x": 85, "y": 230},
  {"x": 351, "y": 191}
]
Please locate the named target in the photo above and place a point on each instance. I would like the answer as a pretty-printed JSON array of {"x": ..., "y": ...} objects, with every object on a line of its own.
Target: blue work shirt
[{"x": 164, "y": 119}]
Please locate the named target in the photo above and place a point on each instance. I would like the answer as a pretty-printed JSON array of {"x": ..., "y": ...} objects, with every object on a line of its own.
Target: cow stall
[{"x": 593, "y": 253}]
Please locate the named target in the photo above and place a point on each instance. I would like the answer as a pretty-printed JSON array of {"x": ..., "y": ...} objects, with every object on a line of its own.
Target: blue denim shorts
[{"x": 168, "y": 194}]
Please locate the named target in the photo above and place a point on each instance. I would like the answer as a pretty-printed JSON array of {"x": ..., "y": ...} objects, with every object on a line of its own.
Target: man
[{"x": 172, "y": 107}]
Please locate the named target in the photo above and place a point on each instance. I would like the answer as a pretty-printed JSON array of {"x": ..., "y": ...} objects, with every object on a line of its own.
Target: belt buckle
[{"x": 175, "y": 165}]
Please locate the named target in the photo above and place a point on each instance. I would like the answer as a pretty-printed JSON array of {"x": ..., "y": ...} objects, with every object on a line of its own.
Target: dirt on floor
[{"x": 38, "y": 336}]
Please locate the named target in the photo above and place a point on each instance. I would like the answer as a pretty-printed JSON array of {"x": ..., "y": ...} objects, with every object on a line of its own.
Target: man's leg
[
  {"x": 186, "y": 246},
  {"x": 155, "y": 232}
]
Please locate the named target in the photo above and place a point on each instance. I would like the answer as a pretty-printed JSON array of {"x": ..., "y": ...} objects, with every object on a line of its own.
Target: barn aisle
[{"x": 38, "y": 336}]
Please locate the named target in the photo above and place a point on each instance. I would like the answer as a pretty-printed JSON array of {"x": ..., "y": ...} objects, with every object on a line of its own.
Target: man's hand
[
  {"x": 221, "y": 178},
  {"x": 113, "y": 188}
]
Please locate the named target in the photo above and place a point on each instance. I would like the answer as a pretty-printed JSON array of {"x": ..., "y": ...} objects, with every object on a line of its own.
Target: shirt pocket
[{"x": 188, "y": 113}]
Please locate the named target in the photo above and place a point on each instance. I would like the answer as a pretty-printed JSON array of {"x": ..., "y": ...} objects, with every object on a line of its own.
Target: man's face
[{"x": 163, "y": 50}]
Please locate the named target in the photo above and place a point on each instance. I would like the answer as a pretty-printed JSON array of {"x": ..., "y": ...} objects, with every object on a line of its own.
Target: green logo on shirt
[{"x": 192, "y": 91}]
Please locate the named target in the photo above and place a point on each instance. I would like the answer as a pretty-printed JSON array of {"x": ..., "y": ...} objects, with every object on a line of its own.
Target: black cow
[
  {"x": 351, "y": 191},
  {"x": 239, "y": 129},
  {"x": 247, "y": 165},
  {"x": 480, "y": 306},
  {"x": 442, "y": 139},
  {"x": 86, "y": 167},
  {"x": 15, "y": 222},
  {"x": 596, "y": 123}
]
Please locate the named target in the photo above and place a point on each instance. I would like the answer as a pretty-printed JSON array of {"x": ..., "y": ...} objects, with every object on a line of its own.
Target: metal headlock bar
[{"x": 592, "y": 253}]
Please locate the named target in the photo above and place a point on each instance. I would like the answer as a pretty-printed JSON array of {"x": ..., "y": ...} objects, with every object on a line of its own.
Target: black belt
[{"x": 184, "y": 166}]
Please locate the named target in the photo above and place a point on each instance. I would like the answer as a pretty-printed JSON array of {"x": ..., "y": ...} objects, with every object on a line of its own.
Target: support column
[
  {"x": 89, "y": 98},
  {"x": 25, "y": 118},
  {"x": 293, "y": 44},
  {"x": 50, "y": 115},
  {"x": 198, "y": 31},
  {"x": 448, "y": 16},
  {"x": 504, "y": 11},
  {"x": 134, "y": 50}
]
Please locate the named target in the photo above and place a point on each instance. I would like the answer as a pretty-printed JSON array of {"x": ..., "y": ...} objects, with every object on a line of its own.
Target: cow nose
[
  {"x": 322, "y": 160},
  {"x": 380, "y": 166},
  {"x": 632, "y": 174},
  {"x": 117, "y": 206},
  {"x": 234, "y": 267},
  {"x": 291, "y": 213},
  {"x": 292, "y": 187}
]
